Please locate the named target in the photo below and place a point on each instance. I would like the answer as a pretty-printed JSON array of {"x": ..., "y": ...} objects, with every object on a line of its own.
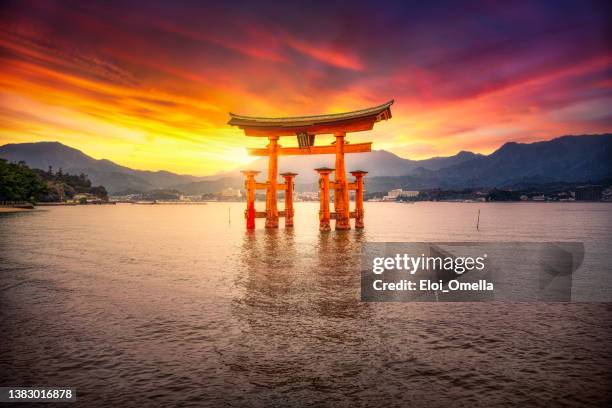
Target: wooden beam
[
  {"x": 262, "y": 214},
  {"x": 333, "y": 215},
  {"x": 348, "y": 126},
  {"x": 263, "y": 186},
  {"x": 296, "y": 151}
]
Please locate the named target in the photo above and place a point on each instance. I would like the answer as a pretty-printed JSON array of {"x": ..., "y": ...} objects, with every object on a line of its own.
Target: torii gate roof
[{"x": 354, "y": 121}]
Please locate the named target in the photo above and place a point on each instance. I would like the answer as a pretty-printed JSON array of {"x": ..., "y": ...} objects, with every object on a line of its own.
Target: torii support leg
[
  {"x": 359, "y": 213},
  {"x": 341, "y": 193},
  {"x": 324, "y": 214},
  {"x": 249, "y": 186},
  {"x": 288, "y": 198},
  {"x": 271, "y": 208}
]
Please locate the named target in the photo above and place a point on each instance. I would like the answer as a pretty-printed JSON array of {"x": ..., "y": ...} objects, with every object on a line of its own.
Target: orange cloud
[
  {"x": 151, "y": 88},
  {"x": 327, "y": 54}
]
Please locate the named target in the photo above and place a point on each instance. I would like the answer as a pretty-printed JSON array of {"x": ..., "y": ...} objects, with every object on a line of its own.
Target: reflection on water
[
  {"x": 147, "y": 305},
  {"x": 282, "y": 279}
]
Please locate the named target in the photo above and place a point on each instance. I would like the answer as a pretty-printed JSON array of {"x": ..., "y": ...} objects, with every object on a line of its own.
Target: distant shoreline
[
  {"x": 9, "y": 210},
  {"x": 6, "y": 210},
  {"x": 166, "y": 202}
]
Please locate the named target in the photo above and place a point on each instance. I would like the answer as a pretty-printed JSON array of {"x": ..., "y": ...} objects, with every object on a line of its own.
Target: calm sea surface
[{"x": 174, "y": 305}]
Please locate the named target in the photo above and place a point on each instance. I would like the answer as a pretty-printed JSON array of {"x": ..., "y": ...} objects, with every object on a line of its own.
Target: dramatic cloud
[{"x": 149, "y": 85}]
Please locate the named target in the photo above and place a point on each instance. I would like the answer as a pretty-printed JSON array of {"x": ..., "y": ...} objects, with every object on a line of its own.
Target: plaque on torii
[{"x": 305, "y": 128}]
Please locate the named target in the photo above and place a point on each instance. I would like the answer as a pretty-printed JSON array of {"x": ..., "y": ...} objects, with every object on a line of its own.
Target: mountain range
[
  {"x": 586, "y": 158},
  {"x": 104, "y": 172}
]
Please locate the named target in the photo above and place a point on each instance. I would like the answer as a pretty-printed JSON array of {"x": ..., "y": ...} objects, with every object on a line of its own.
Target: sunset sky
[{"x": 149, "y": 84}]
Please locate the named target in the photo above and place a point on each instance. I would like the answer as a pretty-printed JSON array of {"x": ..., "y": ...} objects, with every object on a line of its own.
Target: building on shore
[
  {"x": 230, "y": 192},
  {"x": 190, "y": 198},
  {"x": 398, "y": 193},
  {"x": 307, "y": 196},
  {"x": 86, "y": 198},
  {"x": 589, "y": 193}
]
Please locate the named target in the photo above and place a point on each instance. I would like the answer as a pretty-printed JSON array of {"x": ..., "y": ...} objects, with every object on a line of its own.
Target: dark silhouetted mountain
[
  {"x": 586, "y": 158},
  {"x": 211, "y": 185},
  {"x": 378, "y": 163},
  {"x": 567, "y": 158},
  {"x": 564, "y": 159},
  {"x": 101, "y": 172}
]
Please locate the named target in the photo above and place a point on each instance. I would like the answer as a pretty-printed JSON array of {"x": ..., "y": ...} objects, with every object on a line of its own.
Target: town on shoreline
[{"x": 22, "y": 188}]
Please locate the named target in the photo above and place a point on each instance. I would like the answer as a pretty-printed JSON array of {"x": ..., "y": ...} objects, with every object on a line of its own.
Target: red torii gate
[{"x": 306, "y": 128}]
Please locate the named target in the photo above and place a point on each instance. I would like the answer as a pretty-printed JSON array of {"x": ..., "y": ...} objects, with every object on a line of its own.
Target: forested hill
[{"x": 19, "y": 182}]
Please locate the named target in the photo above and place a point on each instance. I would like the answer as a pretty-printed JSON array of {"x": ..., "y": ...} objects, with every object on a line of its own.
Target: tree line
[{"x": 19, "y": 182}]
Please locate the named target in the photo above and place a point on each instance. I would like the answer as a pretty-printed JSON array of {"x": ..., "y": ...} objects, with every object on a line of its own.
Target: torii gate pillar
[
  {"x": 271, "y": 207},
  {"x": 289, "y": 198},
  {"x": 359, "y": 213},
  {"x": 324, "y": 214},
  {"x": 249, "y": 185},
  {"x": 341, "y": 193}
]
